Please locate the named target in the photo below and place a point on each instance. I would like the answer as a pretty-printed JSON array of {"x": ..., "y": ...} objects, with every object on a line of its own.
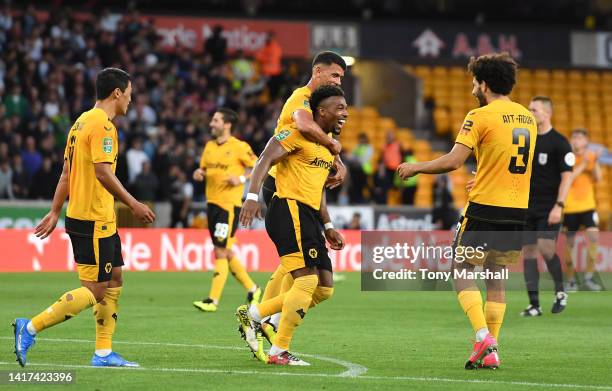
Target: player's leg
[
  {"x": 530, "y": 265},
  {"x": 297, "y": 302},
  {"x": 219, "y": 230},
  {"x": 548, "y": 248},
  {"x": 590, "y": 221},
  {"x": 570, "y": 271},
  {"x": 235, "y": 266},
  {"x": 93, "y": 287},
  {"x": 106, "y": 311}
]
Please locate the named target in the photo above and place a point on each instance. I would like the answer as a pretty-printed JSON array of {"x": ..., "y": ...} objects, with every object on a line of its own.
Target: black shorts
[
  {"x": 536, "y": 226},
  {"x": 296, "y": 230},
  {"x": 575, "y": 221},
  {"x": 492, "y": 236},
  {"x": 268, "y": 189},
  {"x": 96, "y": 257},
  {"x": 222, "y": 224}
]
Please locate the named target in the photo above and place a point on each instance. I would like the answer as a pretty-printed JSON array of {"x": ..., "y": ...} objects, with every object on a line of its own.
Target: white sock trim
[
  {"x": 30, "y": 328},
  {"x": 103, "y": 352},
  {"x": 254, "y": 312},
  {"x": 482, "y": 334},
  {"x": 275, "y": 319},
  {"x": 275, "y": 350}
]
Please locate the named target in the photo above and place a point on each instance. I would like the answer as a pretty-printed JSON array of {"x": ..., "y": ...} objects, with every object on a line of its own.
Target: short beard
[{"x": 481, "y": 98}]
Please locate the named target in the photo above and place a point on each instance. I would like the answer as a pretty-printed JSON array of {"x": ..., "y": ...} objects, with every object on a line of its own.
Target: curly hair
[
  {"x": 322, "y": 93},
  {"x": 497, "y": 70}
]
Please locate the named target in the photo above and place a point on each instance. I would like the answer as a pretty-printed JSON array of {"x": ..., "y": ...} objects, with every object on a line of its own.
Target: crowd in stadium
[{"x": 47, "y": 74}]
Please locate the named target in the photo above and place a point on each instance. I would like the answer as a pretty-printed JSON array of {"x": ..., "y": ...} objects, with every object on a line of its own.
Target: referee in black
[{"x": 551, "y": 179}]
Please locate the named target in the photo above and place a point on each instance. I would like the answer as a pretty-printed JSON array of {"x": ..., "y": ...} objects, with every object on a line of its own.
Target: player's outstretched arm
[
  {"x": 272, "y": 154},
  {"x": 48, "y": 223},
  {"x": 313, "y": 132},
  {"x": 449, "y": 162},
  {"x": 107, "y": 178}
]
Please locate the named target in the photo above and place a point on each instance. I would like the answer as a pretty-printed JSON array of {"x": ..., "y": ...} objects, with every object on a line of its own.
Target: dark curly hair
[
  {"x": 497, "y": 70},
  {"x": 322, "y": 93}
]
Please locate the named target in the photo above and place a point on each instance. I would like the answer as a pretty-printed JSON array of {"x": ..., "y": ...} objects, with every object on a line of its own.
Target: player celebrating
[
  {"x": 89, "y": 178},
  {"x": 501, "y": 133},
  {"x": 580, "y": 209},
  {"x": 293, "y": 224},
  {"x": 550, "y": 183},
  {"x": 223, "y": 164},
  {"x": 327, "y": 69}
]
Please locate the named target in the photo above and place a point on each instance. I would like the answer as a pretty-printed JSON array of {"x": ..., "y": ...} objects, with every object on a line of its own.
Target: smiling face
[
  {"x": 218, "y": 125},
  {"x": 332, "y": 114},
  {"x": 324, "y": 74}
]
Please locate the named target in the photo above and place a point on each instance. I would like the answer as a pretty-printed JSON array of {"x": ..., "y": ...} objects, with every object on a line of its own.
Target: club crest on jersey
[
  {"x": 107, "y": 145},
  {"x": 283, "y": 134},
  {"x": 312, "y": 253},
  {"x": 542, "y": 158}
]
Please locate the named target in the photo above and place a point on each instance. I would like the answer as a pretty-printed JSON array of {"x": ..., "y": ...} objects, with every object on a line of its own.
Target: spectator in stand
[
  {"x": 381, "y": 184},
  {"x": 16, "y": 104},
  {"x": 360, "y": 168},
  {"x": 44, "y": 181},
  {"x": 444, "y": 214},
  {"x": 145, "y": 185},
  {"x": 392, "y": 157},
  {"x": 6, "y": 179},
  {"x": 182, "y": 191},
  {"x": 32, "y": 159},
  {"x": 21, "y": 182},
  {"x": 355, "y": 222},
  {"x": 135, "y": 157},
  {"x": 269, "y": 58},
  {"x": 216, "y": 46}
]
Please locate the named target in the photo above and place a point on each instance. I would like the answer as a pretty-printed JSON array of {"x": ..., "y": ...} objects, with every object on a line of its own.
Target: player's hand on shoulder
[
  {"x": 336, "y": 180},
  {"x": 250, "y": 209},
  {"x": 199, "y": 174},
  {"x": 334, "y": 147},
  {"x": 46, "y": 225},
  {"x": 233, "y": 181},
  {"x": 143, "y": 213},
  {"x": 406, "y": 170},
  {"x": 335, "y": 239},
  {"x": 470, "y": 184}
]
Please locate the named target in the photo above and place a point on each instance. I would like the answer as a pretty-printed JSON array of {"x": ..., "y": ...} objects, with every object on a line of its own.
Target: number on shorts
[{"x": 221, "y": 230}]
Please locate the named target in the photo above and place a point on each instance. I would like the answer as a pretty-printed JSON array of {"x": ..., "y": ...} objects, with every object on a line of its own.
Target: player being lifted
[
  {"x": 580, "y": 209},
  {"x": 224, "y": 164},
  {"x": 327, "y": 69},
  {"x": 293, "y": 223},
  {"x": 89, "y": 178},
  {"x": 501, "y": 135}
]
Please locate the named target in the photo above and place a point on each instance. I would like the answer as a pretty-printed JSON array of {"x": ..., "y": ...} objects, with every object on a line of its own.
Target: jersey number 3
[{"x": 523, "y": 151}]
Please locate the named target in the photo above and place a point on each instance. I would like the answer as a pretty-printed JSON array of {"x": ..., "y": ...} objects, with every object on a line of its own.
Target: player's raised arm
[
  {"x": 106, "y": 176},
  {"x": 272, "y": 154},
  {"x": 48, "y": 223},
  {"x": 449, "y": 162}
]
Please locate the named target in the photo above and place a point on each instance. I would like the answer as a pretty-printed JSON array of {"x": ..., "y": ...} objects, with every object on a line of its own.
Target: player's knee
[
  {"x": 221, "y": 253},
  {"x": 321, "y": 294},
  {"x": 99, "y": 292}
]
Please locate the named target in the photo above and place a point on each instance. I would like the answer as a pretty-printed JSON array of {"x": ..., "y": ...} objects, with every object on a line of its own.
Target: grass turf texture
[{"x": 405, "y": 339}]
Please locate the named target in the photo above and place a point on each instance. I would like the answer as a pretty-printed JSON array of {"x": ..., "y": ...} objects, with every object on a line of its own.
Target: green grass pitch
[{"x": 357, "y": 340}]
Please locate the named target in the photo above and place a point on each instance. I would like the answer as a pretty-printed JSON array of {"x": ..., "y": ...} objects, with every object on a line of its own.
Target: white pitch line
[
  {"x": 265, "y": 373},
  {"x": 352, "y": 369},
  {"x": 322, "y": 358}
]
